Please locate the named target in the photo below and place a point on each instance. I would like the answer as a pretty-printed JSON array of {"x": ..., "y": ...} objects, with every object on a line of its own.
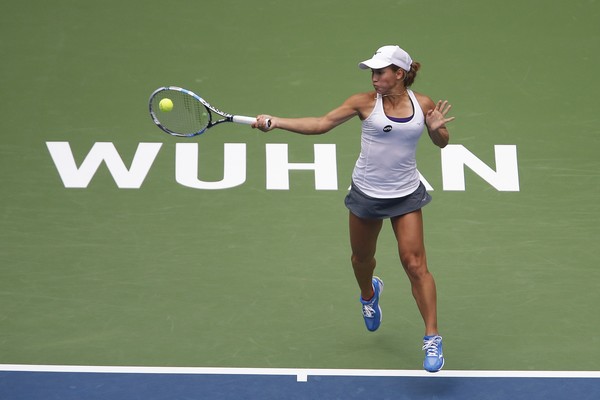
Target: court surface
[{"x": 123, "y": 247}]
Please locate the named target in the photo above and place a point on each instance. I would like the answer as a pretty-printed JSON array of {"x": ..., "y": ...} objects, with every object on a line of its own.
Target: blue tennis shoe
[
  {"x": 370, "y": 309},
  {"x": 434, "y": 356}
]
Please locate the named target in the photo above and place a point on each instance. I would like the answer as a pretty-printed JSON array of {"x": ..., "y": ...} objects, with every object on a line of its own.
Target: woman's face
[{"x": 385, "y": 80}]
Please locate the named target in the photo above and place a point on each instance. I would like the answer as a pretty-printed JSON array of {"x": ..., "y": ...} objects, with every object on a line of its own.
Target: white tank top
[{"x": 387, "y": 167}]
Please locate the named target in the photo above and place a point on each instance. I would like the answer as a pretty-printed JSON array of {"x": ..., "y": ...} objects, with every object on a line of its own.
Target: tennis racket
[{"x": 190, "y": 115}]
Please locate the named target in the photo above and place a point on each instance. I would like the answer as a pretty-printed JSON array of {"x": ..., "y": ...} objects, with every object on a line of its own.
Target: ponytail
[{"x": 410, "y": 76}]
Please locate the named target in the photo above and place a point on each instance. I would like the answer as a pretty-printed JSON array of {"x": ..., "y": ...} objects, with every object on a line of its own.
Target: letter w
[{"x": 74, "y": 177}]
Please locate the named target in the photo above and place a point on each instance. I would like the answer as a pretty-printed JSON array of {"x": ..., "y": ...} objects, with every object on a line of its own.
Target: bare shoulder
[
  {"x": 425, "y": 102},
  {"x": 362, "y": 98},
  {"x": 363, "y": 103}
]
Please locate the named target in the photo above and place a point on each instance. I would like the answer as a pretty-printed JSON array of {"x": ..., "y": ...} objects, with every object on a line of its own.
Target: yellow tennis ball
[{"x": 165, "y": 105}]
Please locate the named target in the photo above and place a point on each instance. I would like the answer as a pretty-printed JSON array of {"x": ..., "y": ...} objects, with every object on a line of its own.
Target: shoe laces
[
  {"x": 431, "y": 346},
  {"x": 368, "y": 310}
]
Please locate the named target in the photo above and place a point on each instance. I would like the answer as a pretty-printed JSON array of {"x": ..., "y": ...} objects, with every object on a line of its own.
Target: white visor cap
[{"x": 386, "y": 56}]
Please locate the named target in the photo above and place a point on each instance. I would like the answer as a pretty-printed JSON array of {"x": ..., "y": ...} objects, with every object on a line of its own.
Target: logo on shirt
[{"x": 387, "y": 128}]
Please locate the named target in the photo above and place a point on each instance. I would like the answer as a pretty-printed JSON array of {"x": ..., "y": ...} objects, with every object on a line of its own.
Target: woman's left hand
[{"x": 436, "y": 117}]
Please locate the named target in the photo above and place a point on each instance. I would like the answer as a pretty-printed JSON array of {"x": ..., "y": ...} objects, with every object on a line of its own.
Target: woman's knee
[
  {"x": 415, "y": 265},
  {"x": 361, "y": 258}
]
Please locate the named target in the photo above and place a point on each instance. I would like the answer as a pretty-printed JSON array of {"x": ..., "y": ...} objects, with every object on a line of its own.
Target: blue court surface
[{"x": 20, "y": 382}]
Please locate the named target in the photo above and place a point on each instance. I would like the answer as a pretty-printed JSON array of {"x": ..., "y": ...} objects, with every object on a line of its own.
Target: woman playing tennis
[{"x": 385, "y": 181}]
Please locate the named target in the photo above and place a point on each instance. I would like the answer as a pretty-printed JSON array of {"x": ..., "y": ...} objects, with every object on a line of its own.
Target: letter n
[{"x": 505, "y": 178}]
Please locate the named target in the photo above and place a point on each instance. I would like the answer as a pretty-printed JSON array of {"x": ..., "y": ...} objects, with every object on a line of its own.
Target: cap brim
[{"x": 374, "y": 64}]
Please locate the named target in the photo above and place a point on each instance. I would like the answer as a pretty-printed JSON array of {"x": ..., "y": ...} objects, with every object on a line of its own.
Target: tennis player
[{"x": 385, "y": 181}]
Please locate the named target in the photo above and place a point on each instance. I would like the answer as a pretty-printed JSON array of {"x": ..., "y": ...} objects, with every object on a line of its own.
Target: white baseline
[{"x": 301, "y": 374}]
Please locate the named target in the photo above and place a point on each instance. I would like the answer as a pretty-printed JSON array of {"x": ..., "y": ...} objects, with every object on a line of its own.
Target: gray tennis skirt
[{"x": 365, "y": 206}]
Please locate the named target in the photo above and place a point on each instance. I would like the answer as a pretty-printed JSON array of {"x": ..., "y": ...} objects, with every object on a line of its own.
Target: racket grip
[
  {"x": 244, "y": 120},
  {"x": 247, "y": 120}
]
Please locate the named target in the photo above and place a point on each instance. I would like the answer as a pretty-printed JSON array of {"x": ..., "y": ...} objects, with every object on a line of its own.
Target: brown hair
[{"x": 410, "y": 76}]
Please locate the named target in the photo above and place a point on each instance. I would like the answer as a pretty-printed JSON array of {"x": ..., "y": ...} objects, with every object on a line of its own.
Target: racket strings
[{"x": 188, "y": 116}]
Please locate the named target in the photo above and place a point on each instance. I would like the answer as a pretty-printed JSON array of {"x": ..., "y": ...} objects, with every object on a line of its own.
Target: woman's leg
[
  {"x": 363, "y": 241},
  {"x": 409, "y": 234}
]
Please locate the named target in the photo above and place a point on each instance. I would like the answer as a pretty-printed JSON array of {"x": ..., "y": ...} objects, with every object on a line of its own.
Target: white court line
[{"x": 300, "y": 373}]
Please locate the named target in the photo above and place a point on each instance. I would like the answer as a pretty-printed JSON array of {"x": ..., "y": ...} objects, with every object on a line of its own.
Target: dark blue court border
[{"x": 133, "y": 386}]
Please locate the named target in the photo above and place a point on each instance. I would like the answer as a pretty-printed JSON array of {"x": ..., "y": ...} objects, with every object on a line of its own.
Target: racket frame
[{"x": 226, "y": 117}]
